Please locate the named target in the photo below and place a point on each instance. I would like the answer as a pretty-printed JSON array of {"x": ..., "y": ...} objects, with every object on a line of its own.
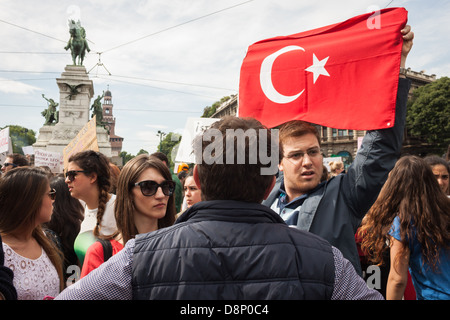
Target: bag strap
[{"x": 107, "y": 249}]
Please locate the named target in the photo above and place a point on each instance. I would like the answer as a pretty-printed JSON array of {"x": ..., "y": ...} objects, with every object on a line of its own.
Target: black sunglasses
[
  {"x": 52, "y": 194},
  {"x": 149, "y": 187},
  {"x": 6, "y": 164},
  {"x": 72, "y": 174}
]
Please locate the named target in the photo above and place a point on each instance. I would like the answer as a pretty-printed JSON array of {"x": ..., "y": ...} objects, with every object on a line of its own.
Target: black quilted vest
[{"x": 231, "y": 250}]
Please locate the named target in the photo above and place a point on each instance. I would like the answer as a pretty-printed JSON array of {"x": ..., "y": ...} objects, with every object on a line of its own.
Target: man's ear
[
  {"x": 272, "y": 184},
  {"x": 280, "y": 166},
  {"x": 196, "y": 177}
]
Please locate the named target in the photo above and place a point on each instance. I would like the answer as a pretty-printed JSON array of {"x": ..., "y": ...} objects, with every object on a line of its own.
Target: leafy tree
[
  {"x": 428, "y": 116},
  {"x": 142, "y": 151},
  {"x": 209, "y": 111},
  {"x": 125, "y": 156},
  {"x": 21, "y": 137},
  {"x": 167, "y": 144}
]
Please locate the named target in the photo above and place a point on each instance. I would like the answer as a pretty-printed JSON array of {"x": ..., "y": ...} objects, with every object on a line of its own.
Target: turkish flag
[{"x": 342, "y": 76}]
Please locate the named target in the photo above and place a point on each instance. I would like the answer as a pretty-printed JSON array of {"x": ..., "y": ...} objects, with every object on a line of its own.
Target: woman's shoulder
[
  {"x": 95, "y": 247},
  {"x": 112, "y": 199},
  {"x": 116, "y": 245}
]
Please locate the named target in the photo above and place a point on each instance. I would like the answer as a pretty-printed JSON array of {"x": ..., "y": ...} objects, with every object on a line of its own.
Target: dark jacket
[
  {"x": 6, "y": 278},
  {"x": 335, "y": 209},
  {"x": 231, "y": 250}
]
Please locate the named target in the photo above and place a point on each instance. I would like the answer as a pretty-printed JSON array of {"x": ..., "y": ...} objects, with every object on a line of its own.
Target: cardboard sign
[
  {"x": 4, "y": 140},
  {"x": 47, "y": 158},
  {"x": 86, "y": 139},
  {"x": 193, "y": 127},
  {"x": 28, "y": 150}
]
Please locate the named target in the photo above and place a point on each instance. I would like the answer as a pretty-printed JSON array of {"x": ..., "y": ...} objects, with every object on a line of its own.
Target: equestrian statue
[{"x": 77, "y": 42}]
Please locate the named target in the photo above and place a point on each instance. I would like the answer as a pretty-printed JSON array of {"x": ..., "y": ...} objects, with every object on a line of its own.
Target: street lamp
[{"x": 161, "y": 135}]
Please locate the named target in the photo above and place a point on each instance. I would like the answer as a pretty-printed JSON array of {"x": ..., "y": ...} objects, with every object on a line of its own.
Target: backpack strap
[{"x": 107, "y": 249}]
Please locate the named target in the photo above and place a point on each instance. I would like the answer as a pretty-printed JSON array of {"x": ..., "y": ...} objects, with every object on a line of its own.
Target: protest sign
[
  {"x": 50, "y": 159},
  {"x": 193, "y": 127},
  {"x": 86, "y": 139},
  {"x": 4, "y": 140}
]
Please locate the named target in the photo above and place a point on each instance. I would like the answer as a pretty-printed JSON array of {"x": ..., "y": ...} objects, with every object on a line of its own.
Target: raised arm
[{"x": 380, "y": 149}]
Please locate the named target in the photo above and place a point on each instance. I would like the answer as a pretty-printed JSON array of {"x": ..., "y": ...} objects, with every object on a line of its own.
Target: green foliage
[
  {"x": 428, "y": 116},
  {"x": 142, "y": 151},
  {"x": 209, "y": 111},
  {"x": 21, "y": 137},
  {"x": 126, "y": 156},
  {"x": 167, "y": 144}
]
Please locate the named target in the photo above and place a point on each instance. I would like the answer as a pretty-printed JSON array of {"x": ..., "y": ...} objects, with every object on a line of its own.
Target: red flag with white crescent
[{"x": 342, "y": 76}]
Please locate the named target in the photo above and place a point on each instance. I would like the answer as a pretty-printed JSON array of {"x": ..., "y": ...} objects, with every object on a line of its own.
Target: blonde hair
[{"x": 335, "y": 165}]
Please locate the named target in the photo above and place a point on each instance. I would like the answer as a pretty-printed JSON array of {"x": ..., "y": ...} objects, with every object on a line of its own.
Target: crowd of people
[{"x": 220, "y": 231}]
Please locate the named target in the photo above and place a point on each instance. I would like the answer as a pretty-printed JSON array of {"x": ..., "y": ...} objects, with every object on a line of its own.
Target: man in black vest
[{"x": 228, "y": 246}]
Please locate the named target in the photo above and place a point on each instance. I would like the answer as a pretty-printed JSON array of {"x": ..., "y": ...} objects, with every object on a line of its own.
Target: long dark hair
[
  {"x": 412, "y": 193},
  {"x": 21, "y": 193},
  {"x": 125, "y": 207},
  {"x": 66, "y": 218},
  {"x": 95, "y": 162},
  {"x": 434, "y": 160}
]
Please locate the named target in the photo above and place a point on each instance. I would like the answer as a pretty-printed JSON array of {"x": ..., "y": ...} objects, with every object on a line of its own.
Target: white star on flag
[{"x": 318, "y": 67}]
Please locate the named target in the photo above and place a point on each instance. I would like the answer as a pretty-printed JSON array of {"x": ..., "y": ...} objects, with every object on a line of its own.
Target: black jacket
[
  {"x": 6, "y": 278},
  {"x": 231, "y": 250}
]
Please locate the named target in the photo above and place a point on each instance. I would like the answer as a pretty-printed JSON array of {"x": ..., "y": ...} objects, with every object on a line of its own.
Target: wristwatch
[{"x": 403, "y": 71}]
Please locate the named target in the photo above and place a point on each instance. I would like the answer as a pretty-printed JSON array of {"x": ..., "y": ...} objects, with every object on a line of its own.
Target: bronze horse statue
[{"x": 77, "y": 42}]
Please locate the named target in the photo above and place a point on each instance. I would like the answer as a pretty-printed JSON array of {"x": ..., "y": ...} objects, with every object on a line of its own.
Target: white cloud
[
  {"x": 148, "y": 140},
  {"x": 16, "y": 87},
  {"x": 156, "y": 126}
]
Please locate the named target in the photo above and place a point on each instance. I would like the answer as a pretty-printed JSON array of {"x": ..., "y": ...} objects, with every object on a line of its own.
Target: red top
[{"x": 94, "y": 256}]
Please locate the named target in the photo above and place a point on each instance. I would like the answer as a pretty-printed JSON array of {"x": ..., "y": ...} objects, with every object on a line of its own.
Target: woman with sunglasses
[
  {"x": 65, "y": 223},
  {"x": 88, "y": 178},
  {"x": 26, "y": 202},
  {"x": 144, "y": 203}
]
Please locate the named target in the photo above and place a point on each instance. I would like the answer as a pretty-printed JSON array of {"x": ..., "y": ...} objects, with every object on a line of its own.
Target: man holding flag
[{"x": 353, "y": 72}]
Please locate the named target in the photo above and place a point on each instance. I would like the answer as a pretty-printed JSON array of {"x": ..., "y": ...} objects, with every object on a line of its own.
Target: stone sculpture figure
[
  {"x": 50, "y": 114},
  {"x": 97, "y": 110},
  {"x": 73, "y": 89}
]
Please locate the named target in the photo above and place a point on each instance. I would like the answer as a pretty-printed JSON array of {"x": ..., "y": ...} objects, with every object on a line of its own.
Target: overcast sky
[{"x": 169, "y": 59}]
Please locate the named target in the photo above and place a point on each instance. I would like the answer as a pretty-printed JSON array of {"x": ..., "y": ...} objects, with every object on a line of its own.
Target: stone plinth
[
  {"x": 104, "y": 146},
  {"x": 45, "y": 135},
  {"x": 75, "y": 93}
]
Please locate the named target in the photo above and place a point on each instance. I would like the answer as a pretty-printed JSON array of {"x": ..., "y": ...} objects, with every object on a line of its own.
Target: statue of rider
[{"x": 77, "y": 42}]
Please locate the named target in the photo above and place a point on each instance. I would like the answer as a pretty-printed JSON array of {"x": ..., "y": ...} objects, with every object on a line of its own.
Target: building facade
[
  {"x": 335, "y": 142},
  {"x": 110, "y": 123}
]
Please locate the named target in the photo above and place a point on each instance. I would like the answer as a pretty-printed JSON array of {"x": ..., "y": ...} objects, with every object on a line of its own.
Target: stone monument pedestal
[
  {"x": 75, "y": 93},
  {"x": 104, "y": 146},
  {"x": 45, "y": 135}
]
